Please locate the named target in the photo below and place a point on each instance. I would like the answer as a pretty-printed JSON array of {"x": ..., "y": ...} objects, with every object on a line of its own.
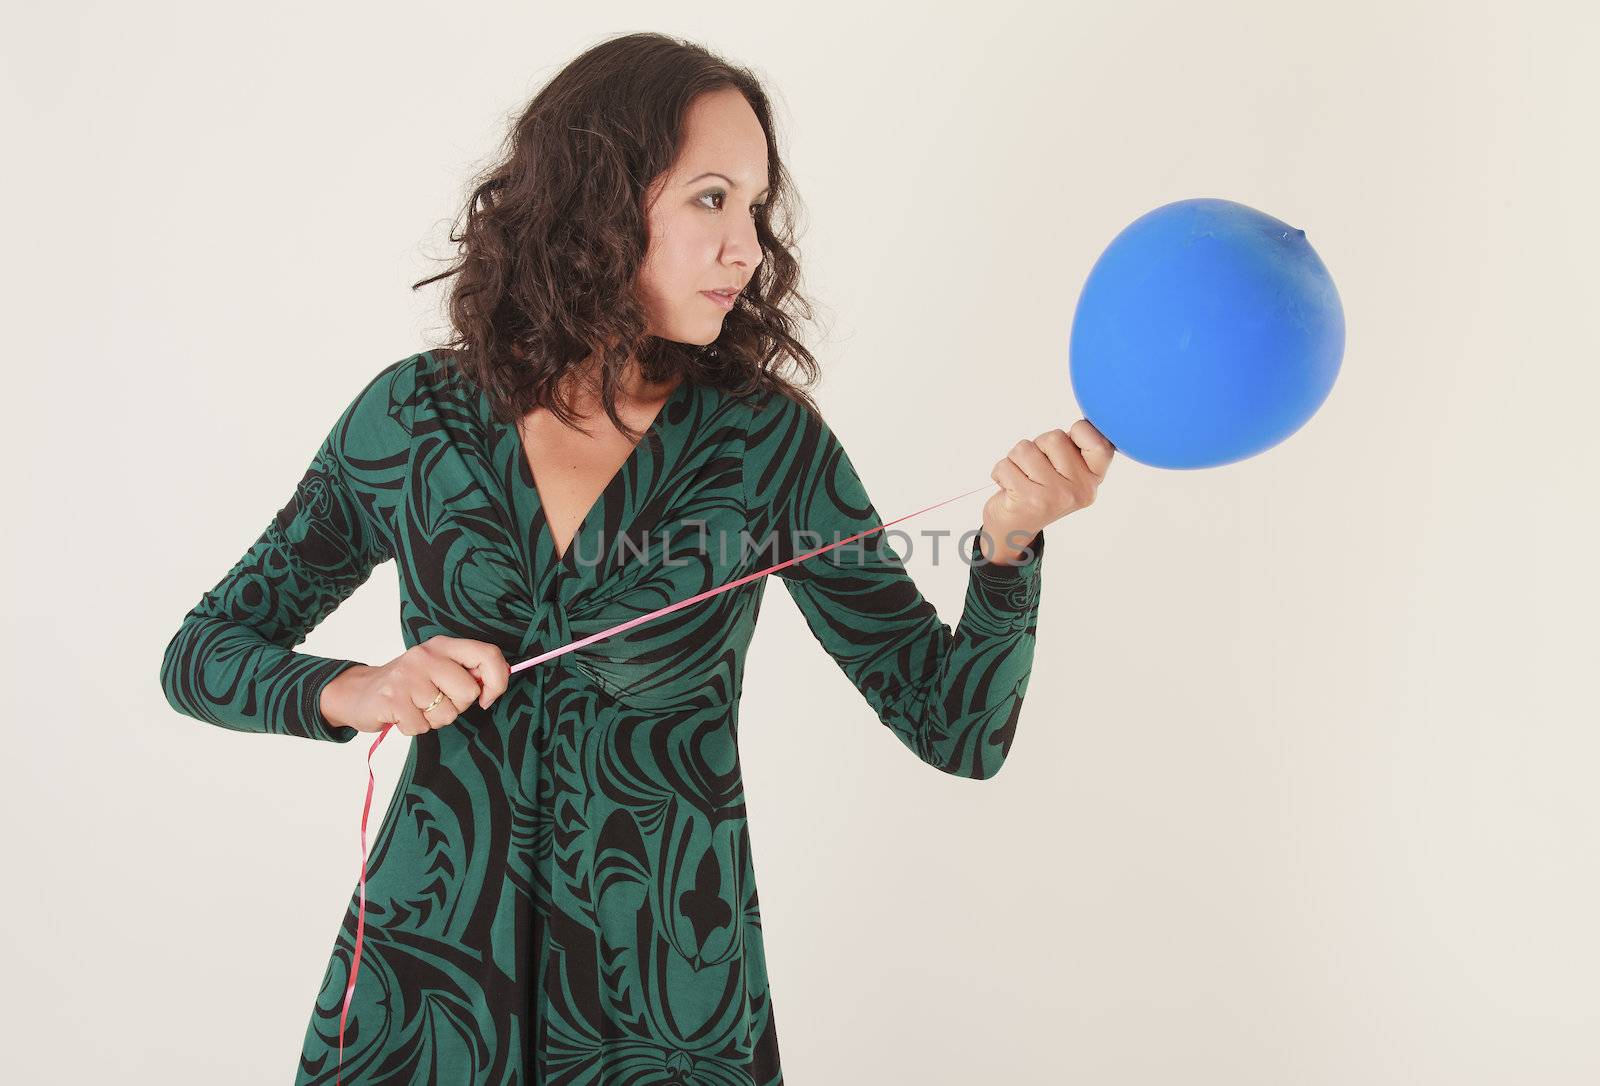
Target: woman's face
[{"x": 702, "y": 228}]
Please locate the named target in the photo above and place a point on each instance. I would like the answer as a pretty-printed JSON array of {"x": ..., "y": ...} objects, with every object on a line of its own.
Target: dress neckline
[{"x": 611, "y": 495}]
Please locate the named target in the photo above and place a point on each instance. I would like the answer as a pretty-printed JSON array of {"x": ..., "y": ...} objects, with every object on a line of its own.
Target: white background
[{"x": 1304, "y": 788}]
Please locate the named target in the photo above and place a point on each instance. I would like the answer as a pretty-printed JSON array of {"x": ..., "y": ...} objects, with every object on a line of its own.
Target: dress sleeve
[
  {"x": 953, "y": 698},
  {"x": 231, "y": 662}
]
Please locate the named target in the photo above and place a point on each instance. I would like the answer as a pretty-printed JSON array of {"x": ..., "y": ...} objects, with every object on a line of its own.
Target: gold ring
[{"x": 437, "y": 698}]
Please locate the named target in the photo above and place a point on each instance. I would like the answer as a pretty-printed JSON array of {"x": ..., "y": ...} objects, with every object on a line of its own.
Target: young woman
[{"x": 562, "y": 889}]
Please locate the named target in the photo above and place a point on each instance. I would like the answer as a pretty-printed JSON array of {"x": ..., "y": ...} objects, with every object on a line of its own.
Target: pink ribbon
[{"x": 361, "y": 914}]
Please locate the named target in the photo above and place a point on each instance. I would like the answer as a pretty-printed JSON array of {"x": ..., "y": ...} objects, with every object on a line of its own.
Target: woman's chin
[{"x": 705, "y": 339}]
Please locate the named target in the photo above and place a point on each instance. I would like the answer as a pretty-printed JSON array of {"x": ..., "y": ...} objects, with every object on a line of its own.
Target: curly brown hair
[{"x": 556, "y": 232}]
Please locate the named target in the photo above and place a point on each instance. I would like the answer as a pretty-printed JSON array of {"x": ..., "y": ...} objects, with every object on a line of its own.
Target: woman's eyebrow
[{"x": 729, "y": 180}]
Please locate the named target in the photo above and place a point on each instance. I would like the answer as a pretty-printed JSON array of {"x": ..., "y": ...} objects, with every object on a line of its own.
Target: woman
[{"x": 562, "y": 889}]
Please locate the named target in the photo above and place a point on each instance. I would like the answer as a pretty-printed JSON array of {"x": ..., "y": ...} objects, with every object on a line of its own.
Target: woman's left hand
[{"x": 1042, "y": 481}]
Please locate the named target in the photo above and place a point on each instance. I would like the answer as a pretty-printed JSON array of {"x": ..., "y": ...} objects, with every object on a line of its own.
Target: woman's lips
[{"x": 725, "y": 302}]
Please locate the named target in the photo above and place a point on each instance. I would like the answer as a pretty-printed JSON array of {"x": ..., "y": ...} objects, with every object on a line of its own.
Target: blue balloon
[{"x": 1206, "y": 332}]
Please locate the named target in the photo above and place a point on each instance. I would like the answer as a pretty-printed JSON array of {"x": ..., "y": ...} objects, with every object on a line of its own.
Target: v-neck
[{"x": 609, "y": 494}]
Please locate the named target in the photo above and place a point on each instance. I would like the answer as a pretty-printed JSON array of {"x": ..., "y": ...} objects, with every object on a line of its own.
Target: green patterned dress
[{"x": 562, "y": 889}]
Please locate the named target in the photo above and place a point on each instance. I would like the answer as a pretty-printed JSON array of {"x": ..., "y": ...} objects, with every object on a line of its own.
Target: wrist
[
  {"x": 1003, "y": 546},
  {"x": 338, "y": 697}
]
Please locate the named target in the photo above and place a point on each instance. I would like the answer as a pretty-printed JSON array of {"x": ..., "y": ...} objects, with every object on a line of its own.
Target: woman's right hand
[{"x": 368, "y": 698}]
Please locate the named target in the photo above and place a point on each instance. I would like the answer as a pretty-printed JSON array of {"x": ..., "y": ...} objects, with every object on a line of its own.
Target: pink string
[{"x": 361, "y": 913}]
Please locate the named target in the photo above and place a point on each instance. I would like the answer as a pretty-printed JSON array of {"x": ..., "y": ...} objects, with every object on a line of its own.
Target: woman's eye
[{"x": 755, "y": 209}]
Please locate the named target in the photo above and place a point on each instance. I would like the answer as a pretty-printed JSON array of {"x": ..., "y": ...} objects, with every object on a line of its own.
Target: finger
[
  {"x": 494, "y": 679},
  {"x": 484, "y": 662},
  {"x": 459, "y": 686},
  {"x": 1063, "y": 453},
  {"x": 1033, "y": 462},
  {"x": 408, "y": 718},
  {"x": 493, "y": 675},
  {"x": 1097, "y": 451},
  {"x": 1011, "y": 479},
  {"x": 433, "y": 704}
]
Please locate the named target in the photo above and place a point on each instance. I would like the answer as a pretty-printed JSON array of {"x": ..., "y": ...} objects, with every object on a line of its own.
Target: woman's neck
[{"x": 632, "y": 390}]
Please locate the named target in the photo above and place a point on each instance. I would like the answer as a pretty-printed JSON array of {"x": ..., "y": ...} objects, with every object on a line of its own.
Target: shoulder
[
  {"x": 789, "y": 447},
  {"x": 426, "y": 375},
  {"x": 380, "y": 418},
  {"x": 778, "y": 417},
  {"x": 785, "y": 435},
  {"x": 416, "y": 387}
]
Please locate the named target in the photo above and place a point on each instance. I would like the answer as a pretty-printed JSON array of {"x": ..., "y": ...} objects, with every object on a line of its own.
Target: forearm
[
  {"x": 962, "y": 719},
  {"x": 224, "y": 673}
]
